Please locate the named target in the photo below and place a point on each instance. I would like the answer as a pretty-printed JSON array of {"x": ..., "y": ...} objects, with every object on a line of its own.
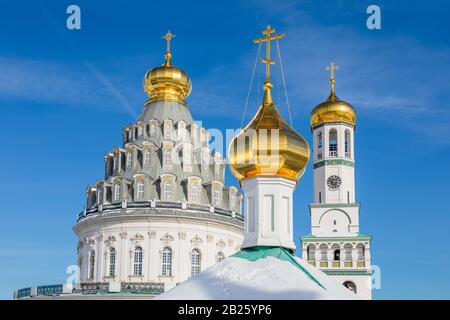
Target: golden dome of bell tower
[
  {"x": 167, "y": 82},
  {"x": 333, "y": 109},
  {"x": 268, "y": 146}
]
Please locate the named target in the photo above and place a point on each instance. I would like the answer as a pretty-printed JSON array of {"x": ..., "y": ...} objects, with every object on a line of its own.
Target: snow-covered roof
[{"x": 259, "y": 274}]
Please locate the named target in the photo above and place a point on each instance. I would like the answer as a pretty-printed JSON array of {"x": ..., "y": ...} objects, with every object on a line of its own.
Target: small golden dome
[
  {"x": 167, "y": 82},
  {"x": 333, "y": 109},
  {"x": 255, "y": 151}
]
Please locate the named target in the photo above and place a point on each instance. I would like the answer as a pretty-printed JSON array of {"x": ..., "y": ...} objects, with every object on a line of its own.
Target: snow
[{"x": 264, "y": 279}]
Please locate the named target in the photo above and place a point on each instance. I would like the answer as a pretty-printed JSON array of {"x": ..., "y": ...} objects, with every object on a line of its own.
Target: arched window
[
  {"x": 182, "y": 132},
  {"x": 220, "y": 256},
  {"x": 100, "y": 195},
  {"x": 140, "y": 190},
  {"x": 167, "y": 191},
  {"x": 333, "y": 144},
  {"x": 129, "y": 159},
  {"x": 193, "y": 194},
  {"x": 217, "y": 170},
  {"x": 152, "y": 128},
  {"x": 167, "y": 129},
  {"x": 205, "y": 160},
  {"x": 311, "y": 252},
  {"x": 195, "y": 262},
  {"x": 319, "y": 145},
  {"x": 360, "y": 249},
  {"x": 167, "y": 157},
  {"x": 348, "y": 251},
  {"x": 348, "y": 150},
  {"x": 116, "y": 192},
  {"x": 112, "y": 262},
  {"x": 350, "y": 286},
  {"x": 337, "y": 255},
  {"x": 187, "y": 155},
  {"x": 232, "y": 201},
  {"x": 115, "y": 163},
  {"x": 91, "y": 199},
  {"x": 91, "y": 264},
  {"x": 137, "y": 261},
  {"x": 216, "y": 197},
  {"x": 147, "y": 156},
  {"x": 166, "y": 265},
  {"x": 323, "y": 252}
]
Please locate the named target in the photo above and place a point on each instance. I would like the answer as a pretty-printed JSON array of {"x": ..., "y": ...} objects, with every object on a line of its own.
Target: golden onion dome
[
  {"x": 333, "y": 110},
  {"x": 256, "y": 151},
  {"x": 167, "y": 82},
  {"x": 268, "y": 146}
]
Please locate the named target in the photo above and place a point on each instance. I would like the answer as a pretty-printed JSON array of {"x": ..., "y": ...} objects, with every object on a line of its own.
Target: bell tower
[{"x": 335, "y": 244}]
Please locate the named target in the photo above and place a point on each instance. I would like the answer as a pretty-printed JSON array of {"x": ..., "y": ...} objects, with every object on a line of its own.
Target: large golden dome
[
  {"x": 255, "y": 152},
  {"x": 268, "y": 146},
  {"x": 333, "y": 110},
  {"x": 167, "y": 82}
]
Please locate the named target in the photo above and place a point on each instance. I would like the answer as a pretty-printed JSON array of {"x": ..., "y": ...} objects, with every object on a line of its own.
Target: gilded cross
[
  {"x": 168, "y": 36},
  {"x": 332, "y": 68},
  {"x": 267, "y": 38}
]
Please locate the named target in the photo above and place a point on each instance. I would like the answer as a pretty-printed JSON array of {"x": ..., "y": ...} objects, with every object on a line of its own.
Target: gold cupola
[
  {"x": 333, "y": 109},
  {"x": 268, "y": 146},
  {"x": 167, "y": 82}
]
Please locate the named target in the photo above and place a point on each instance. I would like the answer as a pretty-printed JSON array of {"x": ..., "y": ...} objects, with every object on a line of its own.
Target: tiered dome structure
[{"x": 162, "y": 212}]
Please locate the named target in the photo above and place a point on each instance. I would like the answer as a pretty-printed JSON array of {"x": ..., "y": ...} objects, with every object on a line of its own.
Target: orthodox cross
[
  {"x": 332, "y": 68},
  {"x": 267, "y": 38},
  {"x": 168, "y": 36}
]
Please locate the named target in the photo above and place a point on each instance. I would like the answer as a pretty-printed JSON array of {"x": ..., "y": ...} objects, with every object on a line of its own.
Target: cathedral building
[
  {"x": 162, "y": 212},
  {"x": 336, "y": 245}
]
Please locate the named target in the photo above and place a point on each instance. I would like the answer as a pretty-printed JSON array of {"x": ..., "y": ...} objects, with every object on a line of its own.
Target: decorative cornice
[
  {"x": 333, "y": 123},
  {"x": 334, "y": 205},
  {"x": 348, "y": 272},
  {"x": 334, "y": 162},
  {"x": 356, "y": 239}
]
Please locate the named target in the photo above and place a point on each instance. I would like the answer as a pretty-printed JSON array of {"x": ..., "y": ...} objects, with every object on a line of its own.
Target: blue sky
[{"x": 65, "y": 96}]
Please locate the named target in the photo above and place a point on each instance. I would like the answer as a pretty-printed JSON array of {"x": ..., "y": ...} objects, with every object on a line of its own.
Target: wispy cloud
[{"x": 82, "y": 85}]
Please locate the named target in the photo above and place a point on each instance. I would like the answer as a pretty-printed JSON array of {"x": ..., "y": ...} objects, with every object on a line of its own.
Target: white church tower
[
  {"x": 335, "y": 244},
  {"x": 268, "y": 157}
]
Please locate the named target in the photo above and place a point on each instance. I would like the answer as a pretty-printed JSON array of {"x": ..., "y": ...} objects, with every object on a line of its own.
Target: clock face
[{"x": 334, "y": 182}]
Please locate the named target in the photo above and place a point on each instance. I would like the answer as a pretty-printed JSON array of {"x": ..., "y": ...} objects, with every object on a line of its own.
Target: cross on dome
[
  {"x": 332, "y": 68},
  {"x": 168, "y": 37},
  {"x": 267, "y": 38}
]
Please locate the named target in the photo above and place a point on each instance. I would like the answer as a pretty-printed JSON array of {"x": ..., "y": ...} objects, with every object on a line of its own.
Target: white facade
[
  {"x": 268, "y": 219},
  {"x": 153, "y": 248},
  {"x": 335, "y": 244}
]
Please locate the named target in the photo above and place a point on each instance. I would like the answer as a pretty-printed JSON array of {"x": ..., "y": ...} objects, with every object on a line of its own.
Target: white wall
[{"x": 152, "y": 234}]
